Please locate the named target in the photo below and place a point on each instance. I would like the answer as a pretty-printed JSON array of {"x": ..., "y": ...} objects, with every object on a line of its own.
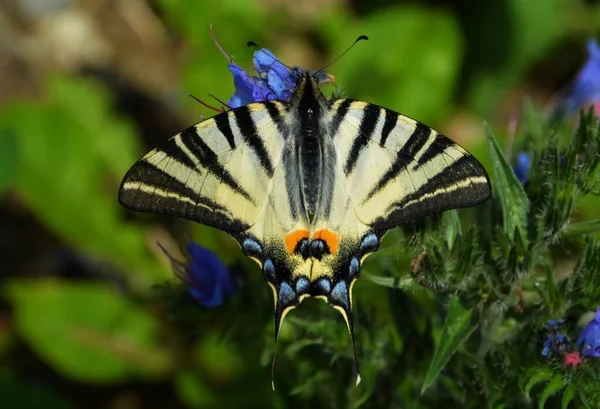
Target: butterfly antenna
[
  {"x": 360, "y": 38},
  {"x": 223, "y": 104},
  {"x": 204, "y": 103},
  {"x": 212, "y": 35},
  {"x": 253, "y": 44}
]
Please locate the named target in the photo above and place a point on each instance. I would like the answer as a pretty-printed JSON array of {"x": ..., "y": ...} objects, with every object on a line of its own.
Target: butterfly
[{"x": 308, "y": 186}]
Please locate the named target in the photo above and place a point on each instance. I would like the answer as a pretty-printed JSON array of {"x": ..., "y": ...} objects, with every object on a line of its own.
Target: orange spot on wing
[
  {"x": 330, "y": 237},
  {"x": 292, "y": 239}
]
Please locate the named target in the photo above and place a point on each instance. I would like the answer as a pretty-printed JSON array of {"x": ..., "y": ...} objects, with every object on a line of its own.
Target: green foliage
[
  {"x": 70, "y": 177},
  {"x": 107, "y": 341},
  {"x": 457, "y": 329}
]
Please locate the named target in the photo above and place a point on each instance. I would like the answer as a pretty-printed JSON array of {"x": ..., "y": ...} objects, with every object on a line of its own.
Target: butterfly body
[{"x": 308, "y": 187}]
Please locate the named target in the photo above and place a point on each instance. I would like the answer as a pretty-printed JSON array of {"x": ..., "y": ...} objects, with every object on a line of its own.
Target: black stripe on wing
[
  {"x": 223, "y": 125},
  {"x": 210, "y": 161},
  {"x": 371, "y": 115},
  {"x": 391, "y": 119},
  {"x": 405, "y": 156},
  {"x": 247, "y": 128},
  {"x": 439, "y": 145},
  {"x": 273, "y": 109},
  {"x": 339, "y": 116},
  {"x": 159, "y": 192},
  {"x": 441, "y": 192}
]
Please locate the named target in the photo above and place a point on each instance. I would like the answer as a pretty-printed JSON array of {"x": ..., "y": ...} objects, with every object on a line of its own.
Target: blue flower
[
  {"x": 207, "y": 278},
  {"x": 586, "y": 88},
  {"x": 555, "y": 342},
  {"x": 522, "y": 167},
  {"x": 275, "y": 80},
  {"x": 590, "y": 337}
]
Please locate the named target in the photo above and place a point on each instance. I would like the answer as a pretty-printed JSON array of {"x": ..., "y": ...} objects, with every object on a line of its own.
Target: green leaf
[
  {"x": 87, "y": 331},
  {"x": 555, "y": 384},
  {"x": 509, "y": 191},
  {"x": 568, "y": 395},
  {"x": 457, "y": 329},
  {"x": 73, "y": 154},
  {"x": 9, "y": 157},
  {"x": 538, "y": 374},
  {"x": 582, "y": 228}
]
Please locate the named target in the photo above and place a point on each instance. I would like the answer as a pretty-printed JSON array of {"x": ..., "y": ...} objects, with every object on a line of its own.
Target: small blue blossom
[
  {"x": 590, "y": 337},
  {"x": 555, "y": 342},
  {"x": 208, "y": 279},
  {"x": 586, "y": 88},
  {"x": 522, "y": 167}
]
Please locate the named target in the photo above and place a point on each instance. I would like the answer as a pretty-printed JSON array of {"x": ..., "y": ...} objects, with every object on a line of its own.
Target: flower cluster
[
  {"x": 558, "y": 342},
  {"x": 275, "y": 80},
  {"x": 555, "y": 341}
]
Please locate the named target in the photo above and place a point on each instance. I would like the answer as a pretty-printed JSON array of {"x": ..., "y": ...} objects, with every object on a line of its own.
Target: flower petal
[
  {"x": 266, "y": 62},
  {"x": 244, "y": 87}
]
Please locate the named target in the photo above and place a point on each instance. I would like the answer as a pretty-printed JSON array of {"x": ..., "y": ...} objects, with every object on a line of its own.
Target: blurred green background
[{"x": 87, "y": 87}]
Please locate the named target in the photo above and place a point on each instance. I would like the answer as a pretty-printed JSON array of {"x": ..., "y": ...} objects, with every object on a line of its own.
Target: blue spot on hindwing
[
  {"x": 369, "y": 244},
  {"x": 339, "y": 294},
  {"x": 251, "y": 247},
  {"x": 302, "y": 285},
  {"x": 286, "y": 294},
  {"x": 323, "y": 286},
  {"x": 354, "y": 267},
  {"x": 269, "y": 270}
]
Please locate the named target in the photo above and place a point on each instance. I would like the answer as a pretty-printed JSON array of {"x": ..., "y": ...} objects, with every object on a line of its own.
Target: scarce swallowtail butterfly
[{"x": 308, "y": 187}]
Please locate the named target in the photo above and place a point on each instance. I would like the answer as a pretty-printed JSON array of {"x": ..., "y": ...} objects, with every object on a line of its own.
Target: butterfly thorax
[{"x": 309, "y": 143}]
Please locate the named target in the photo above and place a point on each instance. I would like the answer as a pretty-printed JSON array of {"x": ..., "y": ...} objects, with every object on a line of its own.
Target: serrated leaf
[
  {"x": 541, "y": 374},
  {"x": 87, "y": 331},
  {"x": 555, "y": 384},
  {"x": 509, "y": 191},
  {"x": 568, "y": 395},
  {"x": 457, "y": 329}
]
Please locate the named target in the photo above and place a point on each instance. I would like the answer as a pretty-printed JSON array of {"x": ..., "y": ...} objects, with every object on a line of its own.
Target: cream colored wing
[
  {"x": 218, "y": 172},
  {"x": 398, "y": 170}
]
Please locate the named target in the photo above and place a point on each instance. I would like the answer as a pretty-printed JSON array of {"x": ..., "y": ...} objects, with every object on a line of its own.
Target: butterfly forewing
[
  {"x": 218, "y": 172},
  {"x": 398, "y": 169}
]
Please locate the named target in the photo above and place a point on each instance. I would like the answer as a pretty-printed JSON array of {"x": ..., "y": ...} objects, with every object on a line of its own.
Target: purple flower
[
  {"x": 590, "y": 337},
  {"x": 555, "y": 342},
  {"x": 522, "y": 167},
  {"x": 275, "y": 80},
  {"x": 207, "y": 278},
  {"x": 586, "y": 88}
]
